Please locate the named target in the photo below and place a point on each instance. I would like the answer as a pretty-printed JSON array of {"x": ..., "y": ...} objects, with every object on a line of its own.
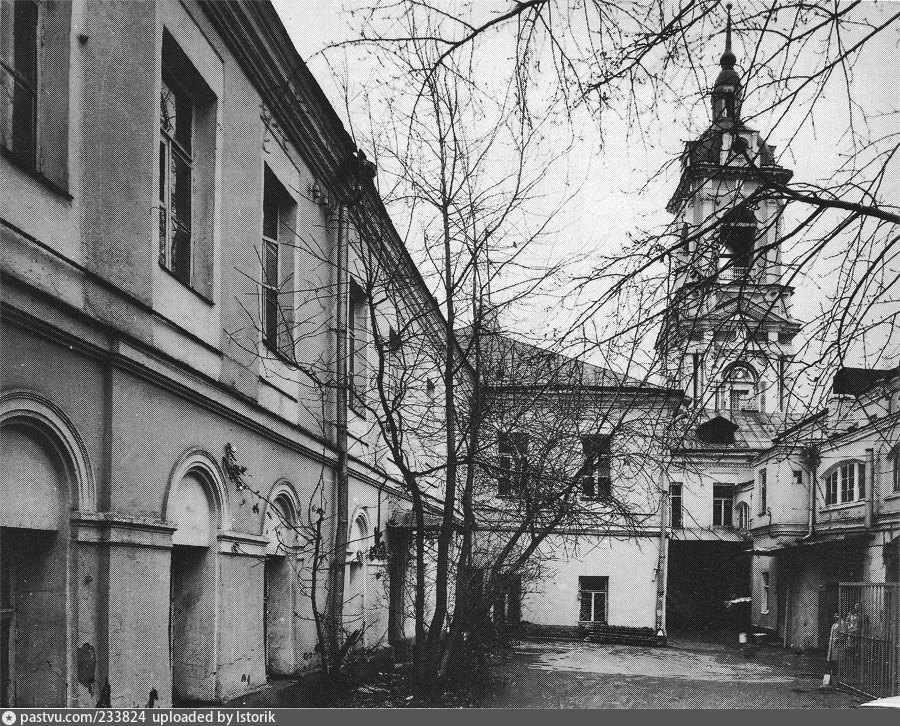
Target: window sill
[
  {"x": 32, "y": 172},
  {"x": 892, "y": 496},
  {"x": 277, "y": 354},
  {"x": 842, "y": 505},
  {"x": 181, "y": 282}
]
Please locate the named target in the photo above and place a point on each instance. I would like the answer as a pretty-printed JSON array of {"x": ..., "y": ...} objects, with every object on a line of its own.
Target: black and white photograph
[{"x": 448, "y": 354}]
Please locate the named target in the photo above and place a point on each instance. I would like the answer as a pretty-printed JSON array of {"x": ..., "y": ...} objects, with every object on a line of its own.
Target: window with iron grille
[
  {"x": 593, "y": 594},
  {"x": 723, "y": 503},
  {"x": 596, "y": 482},
  {"x": 512, "y": 467},
  {"x": 19, "y": 40}
]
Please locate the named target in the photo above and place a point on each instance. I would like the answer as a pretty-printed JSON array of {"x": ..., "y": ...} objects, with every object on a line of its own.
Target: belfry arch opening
[{"x": 737, "y": 236}]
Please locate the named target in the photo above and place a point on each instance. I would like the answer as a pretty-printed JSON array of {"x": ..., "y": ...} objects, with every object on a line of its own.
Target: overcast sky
[{"x": 615, "y": 199}]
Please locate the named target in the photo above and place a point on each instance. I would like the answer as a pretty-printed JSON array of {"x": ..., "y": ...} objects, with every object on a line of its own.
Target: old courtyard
[{"x": 692, "y": 672}]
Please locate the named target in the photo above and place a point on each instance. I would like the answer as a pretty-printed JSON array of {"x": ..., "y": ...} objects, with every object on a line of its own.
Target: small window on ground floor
[{"x": 592, "y": 592}]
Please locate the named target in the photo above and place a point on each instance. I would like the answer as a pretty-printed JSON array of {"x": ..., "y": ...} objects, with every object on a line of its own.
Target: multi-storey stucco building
[
  {"x": 585, "y": 447},
  {"x": 172, "y": 183}
]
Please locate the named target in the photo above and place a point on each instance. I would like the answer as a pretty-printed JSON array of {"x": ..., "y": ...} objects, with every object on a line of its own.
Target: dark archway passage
[{"x": 703, "y": 576}]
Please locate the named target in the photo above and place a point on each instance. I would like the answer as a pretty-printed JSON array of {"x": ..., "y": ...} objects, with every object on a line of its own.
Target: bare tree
[{"x": 643, "y": 64}]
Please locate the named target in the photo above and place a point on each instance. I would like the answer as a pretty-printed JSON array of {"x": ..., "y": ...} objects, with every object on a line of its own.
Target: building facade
[
  {"x": 584, "y": 447},
  {"x": 174, "y": 183}
]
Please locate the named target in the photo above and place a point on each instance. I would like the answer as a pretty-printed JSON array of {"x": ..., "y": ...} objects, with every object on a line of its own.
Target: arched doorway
[
  {"x": 356, "y": 592},
  {"x": 194, "y": 507},
  {"x": 34, "y": 502},
  {"x": 279, "y": 527}
]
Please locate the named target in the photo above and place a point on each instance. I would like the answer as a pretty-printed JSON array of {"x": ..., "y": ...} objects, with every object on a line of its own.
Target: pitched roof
[
  {"x": 755, "y": 430},
  {"x": 514, "y": 362}
]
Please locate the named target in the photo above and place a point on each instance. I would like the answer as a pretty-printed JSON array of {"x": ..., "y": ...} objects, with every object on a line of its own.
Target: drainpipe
[
  {"x": 662, "y": 566},
  {"x": 355, "y": 171},
  {"x": 870, "y": 488},
  {"x": 811, "y": 456},
  {"x": 338, "y": 569}
]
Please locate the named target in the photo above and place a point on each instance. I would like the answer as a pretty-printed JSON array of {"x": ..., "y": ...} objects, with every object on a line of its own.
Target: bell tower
[{"x": 727, "y": 336}]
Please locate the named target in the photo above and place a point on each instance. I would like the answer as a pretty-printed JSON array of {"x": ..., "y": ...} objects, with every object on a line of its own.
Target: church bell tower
[{"x": 727, "y": 337}]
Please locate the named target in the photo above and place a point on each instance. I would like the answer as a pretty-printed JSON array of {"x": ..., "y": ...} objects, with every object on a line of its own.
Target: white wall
[{"x": 630, "y": 565}]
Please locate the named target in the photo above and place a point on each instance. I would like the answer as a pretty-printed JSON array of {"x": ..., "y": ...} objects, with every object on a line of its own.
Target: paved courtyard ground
[{"x": 689, "y": 673}]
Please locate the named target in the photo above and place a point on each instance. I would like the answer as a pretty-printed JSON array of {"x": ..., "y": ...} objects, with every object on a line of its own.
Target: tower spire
[
  {"x": 728, "y": 58},
  {"x": 726, "y": 95}
]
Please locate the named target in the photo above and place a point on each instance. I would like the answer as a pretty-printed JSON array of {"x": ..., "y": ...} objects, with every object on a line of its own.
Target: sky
[{"x": 615, "y": 172}]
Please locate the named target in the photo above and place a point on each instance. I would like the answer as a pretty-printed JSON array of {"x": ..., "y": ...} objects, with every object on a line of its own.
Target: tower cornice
[{"x": 706, "y": 172}]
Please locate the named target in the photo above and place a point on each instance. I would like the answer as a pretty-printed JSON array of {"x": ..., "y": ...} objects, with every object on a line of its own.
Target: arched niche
[
  {"x": 196, "y": 500},
  {"x": 279, "y": 526},
  {"x": 193, "y": 511},
  {"x": 280, "y": 519},
  {"x": 25, "y": 413},
  {"x": 45, "y": 474},
  {"x": 197, "y": 506},
  {"x": 356, "y": 593},
  {"x": 358, "y": 536}
]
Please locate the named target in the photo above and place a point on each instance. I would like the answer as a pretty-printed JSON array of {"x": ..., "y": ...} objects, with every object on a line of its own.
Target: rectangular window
[
  {"x": 763, "y": 505},
  {"x": 19, "y": 31},
  {"x": 512, "y": 447},
  {"x": 723, "y": 502},
  {"x": 896, "y": 471},
  {"x": 592, "y": 592},
  {"x": 743, "y": 516},
  {"x": 176, "y": 182},
  {"x": 798, "y": 477},
  {"x": 675, "y": 503},
  {"x": 357, "y": 341},
  {"x": 596, "y": 483},
  {"x": 764, "y": 600},
  {"x": 848, "y": 483},
  {"x": 831, "y": 488},
  {"x": 188, "y": 127},
  {"x": 277, "y": 298}
]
